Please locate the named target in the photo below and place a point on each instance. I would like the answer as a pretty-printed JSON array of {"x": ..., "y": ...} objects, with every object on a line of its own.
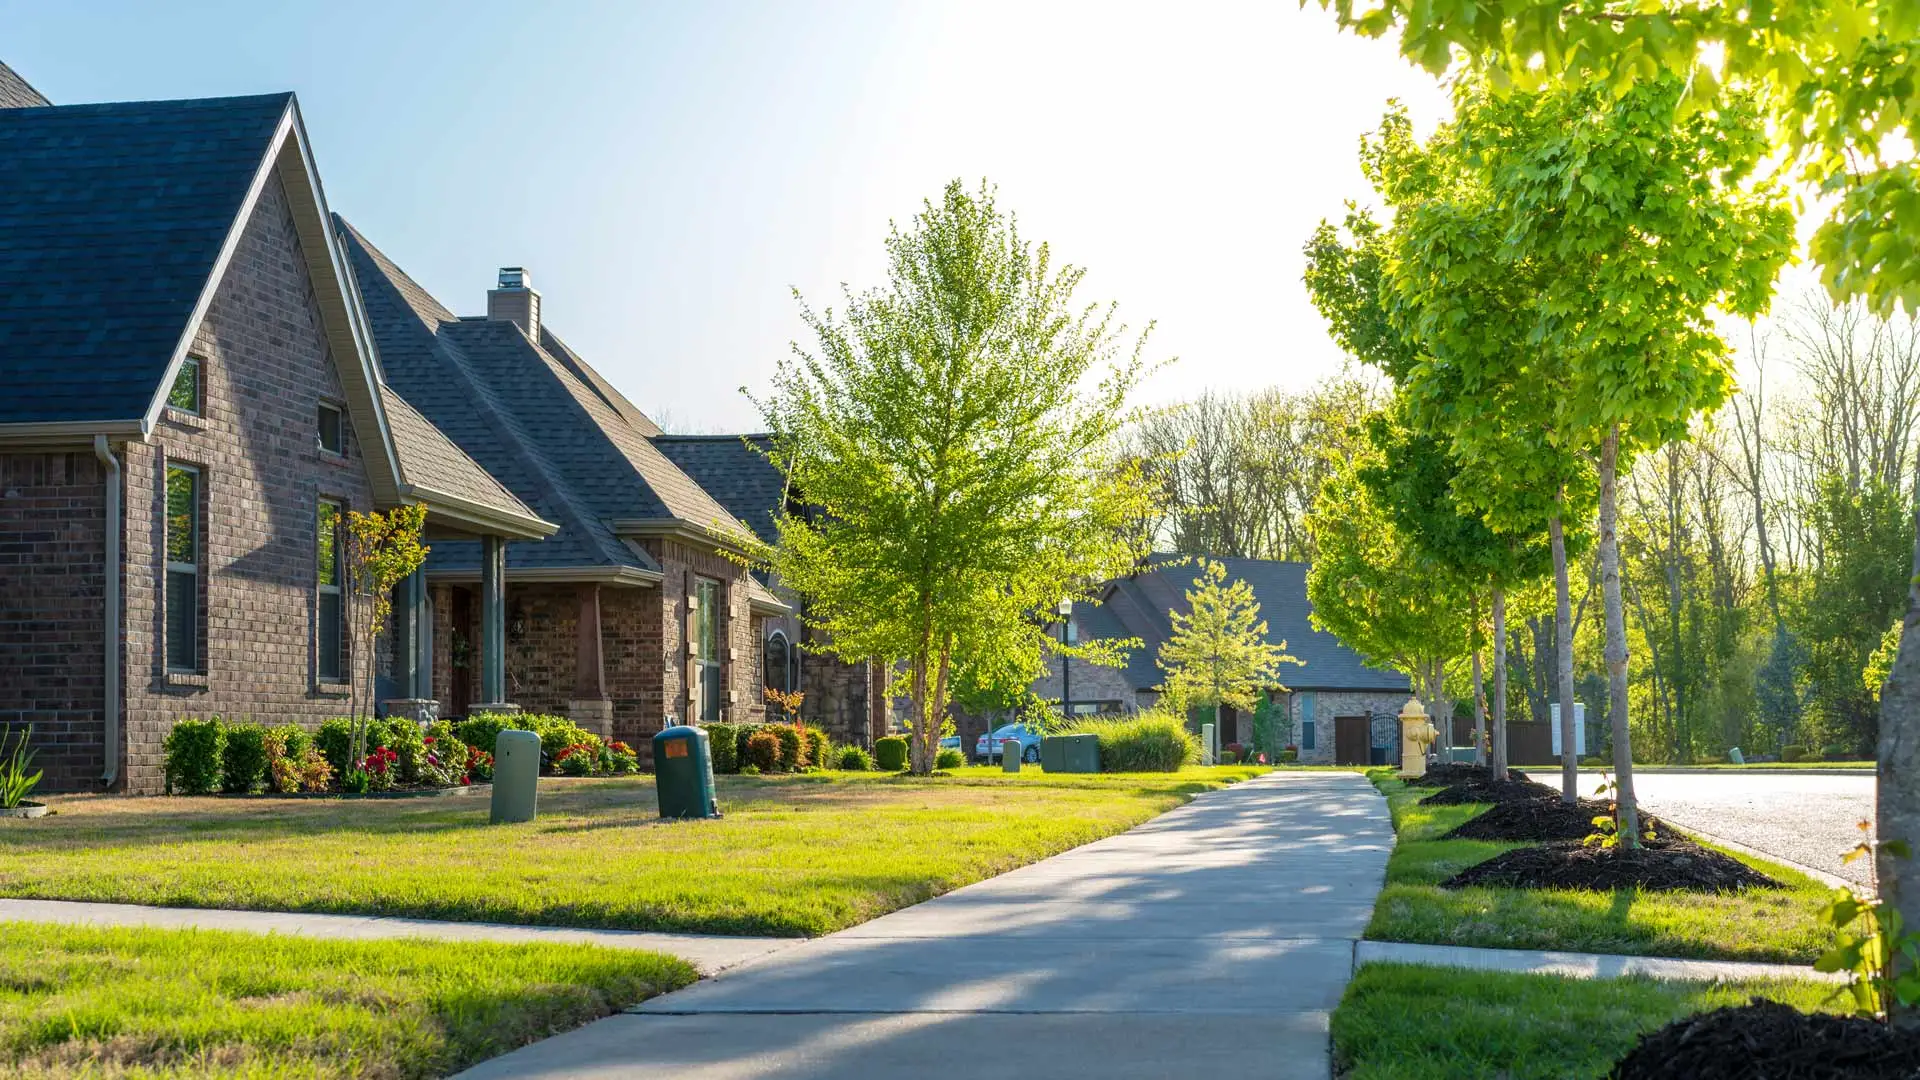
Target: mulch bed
[
  {"x": 1451, "y": 773},
  {"x": 1765, "y": 1040},
  {"x": 1662, "y": 864},
  {"x": 1490, "y": 791},
  {"x": 1544, "y": 819}
]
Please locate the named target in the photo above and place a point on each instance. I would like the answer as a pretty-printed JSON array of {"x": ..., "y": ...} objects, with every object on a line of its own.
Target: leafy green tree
[
  {"x": 1627, "y": 224},
  {"x": 1859, "y": 584},
  {"x": 1375, "y": 589},
  {"x": 956, "y": 431},
  {"x": 1218, "y": 653},
  {"x": 382, "y": 550},
  {"x": 1880, "y": 664}
]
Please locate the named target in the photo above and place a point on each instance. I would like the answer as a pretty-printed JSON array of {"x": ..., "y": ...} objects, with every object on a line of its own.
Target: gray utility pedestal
[
  {"x": 516, "y": 776},
  {"x": 1010, "y": 751},
  {"x": 1070, "y": 754}
]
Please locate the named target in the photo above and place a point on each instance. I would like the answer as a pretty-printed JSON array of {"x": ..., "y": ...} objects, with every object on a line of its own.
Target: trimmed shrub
[
  {"x": 852, "y": 759},
  {"x": 1229, "y": 756},
  {"x": 293, "y": 762},
  {"x": 480, "y": 731},
  {"x": 1289, "y": 756},
  {"x": 1144, "y": 742},
  {"x": 335, "y": 740},
  {"x": 556, "y": 733},
  {"x": 1793, "y": 752},
  {"x": 890, "y": 753},
  {"x": 723, "y": 742},
  {"x": 818, "y": 746},
  {"x": 763, "y": 752},
  {"x": 401, "y": 735},
  {"x": 243, "y": 763},
  {"x": 1834, "y": 752},
  {"x": 949, "y": 758},
  {"x": 195, "y": 754},
  {"x": 793, "y": 748}
]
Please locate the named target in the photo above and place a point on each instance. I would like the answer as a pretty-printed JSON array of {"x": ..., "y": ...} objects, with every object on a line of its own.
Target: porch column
[
  {"x": 493, "y": 621},
  {"x": 411, "y": 634},
  {"x": 590, "y": 707}
]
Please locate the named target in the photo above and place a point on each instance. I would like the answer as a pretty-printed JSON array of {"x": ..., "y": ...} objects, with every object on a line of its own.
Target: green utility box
[
  {"x": 516, "y": 776},
  {"x": 683, "y": 773},
  {"x": 1070, "y": 753}
]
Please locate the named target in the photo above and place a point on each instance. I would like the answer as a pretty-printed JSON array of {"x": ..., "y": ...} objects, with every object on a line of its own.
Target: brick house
[
  {"x": 194, "y": 402},
  {"x": 638, "y": 611},
  {"x": 1341, "y": 710}
]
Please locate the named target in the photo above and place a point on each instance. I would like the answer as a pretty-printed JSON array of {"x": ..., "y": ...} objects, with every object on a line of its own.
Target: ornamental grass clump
[
  {"x": 852, "y": 759},
  {"x": 949, "y": 758},
  {"x": 1144, "y": 742}
]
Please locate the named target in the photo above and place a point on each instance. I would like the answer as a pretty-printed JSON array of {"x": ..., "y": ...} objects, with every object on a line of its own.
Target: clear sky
[{"x": 671, "y": 172}]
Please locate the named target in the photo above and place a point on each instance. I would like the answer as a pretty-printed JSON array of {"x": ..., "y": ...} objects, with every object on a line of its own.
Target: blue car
[{"x": 988, "y": 748}]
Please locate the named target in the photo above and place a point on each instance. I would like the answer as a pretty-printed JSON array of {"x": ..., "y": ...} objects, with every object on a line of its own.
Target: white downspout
[{"x": 110, "y": 588}]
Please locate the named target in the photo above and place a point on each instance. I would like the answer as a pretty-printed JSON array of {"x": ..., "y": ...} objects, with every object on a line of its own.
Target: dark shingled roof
[
  {"x": 1139, "y": 607},
  {"x": 16, "y": 92},
  {"x": 735, "y": 470},
  {"x": 560, "y": 441},
  {"x": 431, "y": 460},
  {"x": 111, "y": 217}
]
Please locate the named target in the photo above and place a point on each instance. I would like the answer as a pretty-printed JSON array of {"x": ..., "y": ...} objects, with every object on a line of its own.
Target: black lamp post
[{"x": 1066, "y": 674}]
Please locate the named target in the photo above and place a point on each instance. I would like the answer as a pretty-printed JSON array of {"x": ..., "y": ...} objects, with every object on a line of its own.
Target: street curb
[
  {"x": 1579, "y": 965},
  {"x": 1822, "y": 876},
  {"x": 1688, "y": 770}
]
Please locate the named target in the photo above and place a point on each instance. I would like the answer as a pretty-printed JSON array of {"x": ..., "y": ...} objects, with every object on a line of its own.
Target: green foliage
[
  {"x": 1267, "y": 717},
  {"x": 817, "y": 745},
  {"x": 335, "y": 740},
  {"x": 556, "y": 733},
  {"x": 890, "y": 753},
  {"x": 1872, "y": 943},
  {"x": 1374, "y": 588},
  {"x": 1144, "y": 742},
  {"x": 16, "y": 783},
  {"x": 577, "y": 760},
  {"x": 195, "y": 750},
  {"x": 749, "y": 769},
  {"x": 762, "y": 752},
  {"x": 1218, "y": 653},
  {"x": 243, "y": 760},
  {"x": 402, "y": 736},
  {"x": 381, "y": 550},
  {"x": 959, "y": 427},
  {"x": 793, "y": 747},
  {"x": 723, "y": 743},
  {"x": 949, "y": 758},
  {"x": 1880, "y": 664},
  {"x": 1793, "y": 752},
  {"x": 294, "y": 763},
  {"x": 1866, "y": 535},
  {"x": 443, "y": 756},
  {"x": 481, "y": 730},
  {"x": 1836, "y": 78},
  {"x": 853, "y": 759}
]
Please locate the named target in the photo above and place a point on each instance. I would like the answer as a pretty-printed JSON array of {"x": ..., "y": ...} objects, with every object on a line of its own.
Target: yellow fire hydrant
[{"x": 1416, "y": 735}]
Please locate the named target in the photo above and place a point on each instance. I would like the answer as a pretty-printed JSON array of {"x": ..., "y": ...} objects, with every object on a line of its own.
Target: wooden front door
[{"x": 1352, "y": 740}]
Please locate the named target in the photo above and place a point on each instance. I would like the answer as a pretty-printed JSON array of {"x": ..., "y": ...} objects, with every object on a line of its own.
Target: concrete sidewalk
[
  {"x": 709, "y": 953},
  {"x": 1212, "y": 941},
  {"x": 1581, "y": 965}
]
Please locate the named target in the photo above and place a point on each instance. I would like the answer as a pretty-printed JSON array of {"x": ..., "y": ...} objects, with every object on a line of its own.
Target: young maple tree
[
  {"x": 382, "y": 549},
  {"x": 1218, "y": 653},
  {"x": 954, "y": 437}
]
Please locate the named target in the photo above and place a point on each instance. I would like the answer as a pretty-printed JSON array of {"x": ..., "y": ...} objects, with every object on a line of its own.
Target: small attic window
[
  {"x": 185, "y": 394},
  {"x": 332, "y": 438}
]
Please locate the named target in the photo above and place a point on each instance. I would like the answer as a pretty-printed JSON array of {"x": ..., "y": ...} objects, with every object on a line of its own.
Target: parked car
[{"x": 988, "y": 748}]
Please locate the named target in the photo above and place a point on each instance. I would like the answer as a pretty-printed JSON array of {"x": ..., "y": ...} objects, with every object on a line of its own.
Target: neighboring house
[
  {"x": 193, "y": 404},
  {"x": 847, "y": 700},
  {"x": 638, "y": 612},
  {"x": 1342, "y": 710}
]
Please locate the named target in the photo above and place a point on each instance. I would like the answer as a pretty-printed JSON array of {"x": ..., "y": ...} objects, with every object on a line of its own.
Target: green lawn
[
  {"x": 78, "y": 1001},
  {"x": 1773, "y": 925},
  {"x": 1404, "y": 1022},
  {"x": 804, "y": 854}
]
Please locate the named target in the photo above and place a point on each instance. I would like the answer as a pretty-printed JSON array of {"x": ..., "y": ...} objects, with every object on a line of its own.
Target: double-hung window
[
  {"x": 706, "y": 652},
  {"x": 183, "y": 568},
  {"x": 330, "y": 628}
]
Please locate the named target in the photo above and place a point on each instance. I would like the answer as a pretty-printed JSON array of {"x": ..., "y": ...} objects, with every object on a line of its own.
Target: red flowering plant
[
  {"x": 444, "y": 761},
  {"x": 577, "y": 760},
  {"x": 480, "y": 766},
  {"x": 379, "y": 767}
]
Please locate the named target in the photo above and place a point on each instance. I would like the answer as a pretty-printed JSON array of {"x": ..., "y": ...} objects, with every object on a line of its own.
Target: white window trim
[
  {"x": 336, "y": 589},
  {"x": 190, "y": 568}
]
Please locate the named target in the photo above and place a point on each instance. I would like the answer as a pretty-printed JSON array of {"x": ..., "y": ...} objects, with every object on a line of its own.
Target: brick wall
[
  {"x": 1382, "y": 708},
  {"x": 52, "y": 559},
  {"x": 739, "y": 632},
  {"x": 265, "y": 370}
]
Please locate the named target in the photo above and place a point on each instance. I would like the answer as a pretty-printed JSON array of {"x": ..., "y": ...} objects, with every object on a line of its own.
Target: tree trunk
[
  {"x": 1898, "y": 805},
  {"x": 1499, "y": 682},
  {"x": 1563, "y": 662},
  {"x": 1616, "y": 617},
  {"x": 918, "y": 762},
  {"x": 1479, "y": 697}
]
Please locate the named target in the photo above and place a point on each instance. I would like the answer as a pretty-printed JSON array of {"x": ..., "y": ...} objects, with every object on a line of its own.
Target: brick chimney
[{"x": 516, "y": 300}]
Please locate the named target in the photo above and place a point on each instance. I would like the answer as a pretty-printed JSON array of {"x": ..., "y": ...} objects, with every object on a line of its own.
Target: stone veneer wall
[
  {"x": 265, "y": 369},
  {"x": 52, "y": 569}
]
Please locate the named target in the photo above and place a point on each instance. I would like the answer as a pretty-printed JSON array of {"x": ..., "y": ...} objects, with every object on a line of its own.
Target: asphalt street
[{"x": 1810, "y": 820}]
